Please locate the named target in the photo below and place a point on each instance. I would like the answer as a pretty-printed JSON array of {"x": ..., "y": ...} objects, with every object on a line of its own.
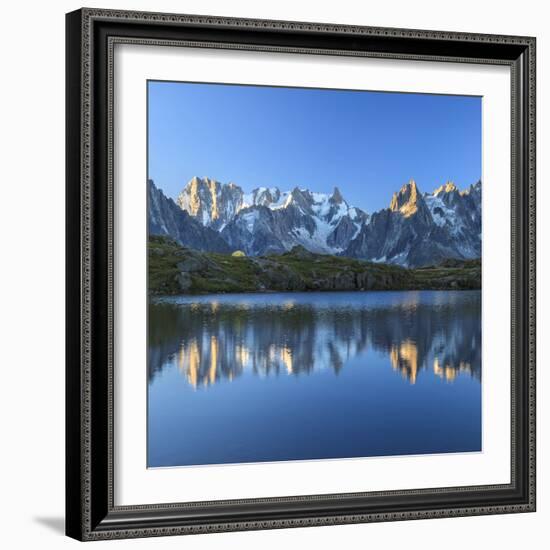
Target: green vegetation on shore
[{"x": 173, "y": 269}]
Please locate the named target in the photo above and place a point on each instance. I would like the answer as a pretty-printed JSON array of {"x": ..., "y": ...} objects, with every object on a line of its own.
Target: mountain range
[{"x": 416, "y": 229}]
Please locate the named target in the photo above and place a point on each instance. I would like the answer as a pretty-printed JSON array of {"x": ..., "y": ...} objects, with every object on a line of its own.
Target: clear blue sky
[{"x": 366, "y": 143}]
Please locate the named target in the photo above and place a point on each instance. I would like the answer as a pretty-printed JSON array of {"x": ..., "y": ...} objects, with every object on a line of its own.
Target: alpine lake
[{"x": 255, "y": 377}]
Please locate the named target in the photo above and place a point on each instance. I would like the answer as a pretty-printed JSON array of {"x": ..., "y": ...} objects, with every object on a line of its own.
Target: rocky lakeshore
[{"x": 174, "y": 269}]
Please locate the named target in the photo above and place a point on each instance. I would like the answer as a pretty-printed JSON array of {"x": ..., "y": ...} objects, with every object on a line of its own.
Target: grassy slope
[{"x": 174, "y": 270}]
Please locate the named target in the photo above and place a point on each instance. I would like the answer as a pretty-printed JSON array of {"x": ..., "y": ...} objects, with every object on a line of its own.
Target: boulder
[
  {"x": 183, "y": 279},
  {"x": 191, "y": 264}
]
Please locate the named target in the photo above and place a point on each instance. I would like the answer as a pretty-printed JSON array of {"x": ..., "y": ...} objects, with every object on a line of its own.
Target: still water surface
[{"x": 294, "y": 376}]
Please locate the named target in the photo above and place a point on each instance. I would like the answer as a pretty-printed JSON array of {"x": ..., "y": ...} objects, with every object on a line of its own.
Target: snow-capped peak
[
  {"x": 268, "y": 220},
  {"x": 323, "y": 221}
]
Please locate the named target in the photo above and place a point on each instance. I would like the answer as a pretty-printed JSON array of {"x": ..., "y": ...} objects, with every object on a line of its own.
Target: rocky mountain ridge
[
  {"x": 422, "y": 229},
  {"x": 165, "y": 217},
  {"x": 270, "y": 221},
  {"x": 416, "y": 229}
]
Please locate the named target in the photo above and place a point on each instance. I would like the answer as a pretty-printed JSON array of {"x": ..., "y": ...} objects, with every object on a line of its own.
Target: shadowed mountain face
[
  {"x": 164, "y": 217},
  {"x": 211, "y": 339},
  {"x": 417, "y": 229}
]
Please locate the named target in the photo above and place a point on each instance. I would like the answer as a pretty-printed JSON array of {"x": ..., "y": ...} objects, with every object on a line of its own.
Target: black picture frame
[{"x": 90, "y": 510}]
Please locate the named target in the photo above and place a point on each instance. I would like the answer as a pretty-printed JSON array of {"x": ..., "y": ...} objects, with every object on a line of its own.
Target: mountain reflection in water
[
  {"x": 269, "y": 377},
  {"x": 218, "y": 338}
]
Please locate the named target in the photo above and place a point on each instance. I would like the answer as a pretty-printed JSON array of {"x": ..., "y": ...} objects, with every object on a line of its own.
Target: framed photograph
[{"x": 300, "y": 274}]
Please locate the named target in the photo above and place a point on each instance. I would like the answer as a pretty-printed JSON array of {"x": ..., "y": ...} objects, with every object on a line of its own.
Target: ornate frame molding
[{"x": 91, "y": 36}]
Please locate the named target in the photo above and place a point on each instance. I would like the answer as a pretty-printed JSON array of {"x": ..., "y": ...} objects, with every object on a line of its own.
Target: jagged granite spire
[
  {"x": 406, "y": 200},
  {"x": 449, "y": 187},
  {"x": 210, "y": 201},
  {"x": 336, "y": 197}
]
